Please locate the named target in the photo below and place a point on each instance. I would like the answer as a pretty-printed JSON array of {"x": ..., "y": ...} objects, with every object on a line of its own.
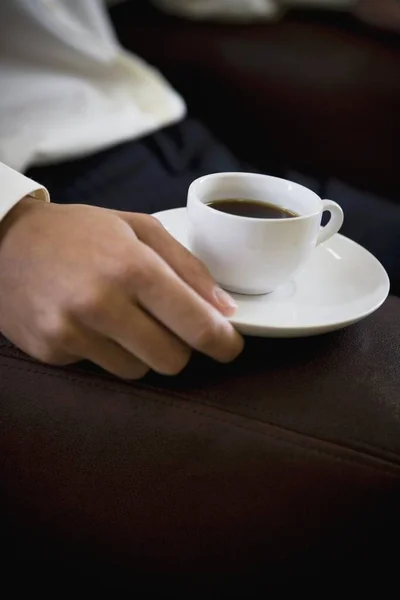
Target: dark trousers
[{"x": 154, "y": 174}]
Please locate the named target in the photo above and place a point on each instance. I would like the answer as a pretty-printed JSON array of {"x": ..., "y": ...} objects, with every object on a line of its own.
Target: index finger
[
  {"x": 189, "y": 268},
  {"x": 173, "y": 302}
]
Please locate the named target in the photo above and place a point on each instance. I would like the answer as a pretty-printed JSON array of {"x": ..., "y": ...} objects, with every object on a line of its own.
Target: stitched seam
[
  {"x": 275, "y": 437},
  {"x": 185, "y": 398}
]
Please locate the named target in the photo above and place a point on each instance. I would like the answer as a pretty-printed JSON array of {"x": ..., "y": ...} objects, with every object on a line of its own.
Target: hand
[{"x": 78, "y": 282}]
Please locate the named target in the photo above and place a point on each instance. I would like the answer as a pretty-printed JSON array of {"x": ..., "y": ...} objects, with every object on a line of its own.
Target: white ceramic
[
  {"x": 255, "y": 256},
  {"x": 341, "y": 284}
]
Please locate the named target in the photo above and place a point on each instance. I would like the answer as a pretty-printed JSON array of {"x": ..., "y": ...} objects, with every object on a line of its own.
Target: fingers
[
  {"x": 115, "y": 301},
  {"x": 112, "y": 358},
  {"x": 146, "y": 339},
  {"x": 150, "y": 231},
  {"x": 68, "y": 343},
  {"x": 162, "y": 293},
  {"x": 142, "y": 313}
]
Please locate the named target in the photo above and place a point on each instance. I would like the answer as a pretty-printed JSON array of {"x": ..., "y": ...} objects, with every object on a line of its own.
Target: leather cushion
[{"x": 288, "y": 459}]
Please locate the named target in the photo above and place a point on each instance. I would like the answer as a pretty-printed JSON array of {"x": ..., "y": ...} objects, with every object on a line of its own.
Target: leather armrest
[{"x": 288, "y": 459}]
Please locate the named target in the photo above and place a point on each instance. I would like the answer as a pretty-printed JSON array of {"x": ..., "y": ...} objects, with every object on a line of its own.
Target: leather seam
[
  {"x": 368, "y": 446},
  {"x": 185, "y": 398},
  {"x": 280, "y": 439}
]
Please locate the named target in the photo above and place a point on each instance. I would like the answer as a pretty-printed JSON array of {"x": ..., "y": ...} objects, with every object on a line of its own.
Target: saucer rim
[{"x": 263, "y": 330}]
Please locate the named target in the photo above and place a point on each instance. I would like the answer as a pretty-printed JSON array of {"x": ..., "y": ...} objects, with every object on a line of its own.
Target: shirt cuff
[{"x": 14, "y": 186}]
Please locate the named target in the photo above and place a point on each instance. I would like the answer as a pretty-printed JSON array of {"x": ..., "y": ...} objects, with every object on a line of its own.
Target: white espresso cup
[{"x": 249, "y": 255}]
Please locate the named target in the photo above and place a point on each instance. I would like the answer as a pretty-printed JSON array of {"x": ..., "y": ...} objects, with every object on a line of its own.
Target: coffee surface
[{"x": 243, "y": 207}]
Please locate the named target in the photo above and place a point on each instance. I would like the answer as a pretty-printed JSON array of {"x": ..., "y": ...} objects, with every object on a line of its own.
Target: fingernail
[{"x": 225, "y": 300}]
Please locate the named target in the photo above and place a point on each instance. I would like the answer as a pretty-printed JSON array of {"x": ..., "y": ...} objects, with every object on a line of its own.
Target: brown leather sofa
[{"x": 288, "y": 461}]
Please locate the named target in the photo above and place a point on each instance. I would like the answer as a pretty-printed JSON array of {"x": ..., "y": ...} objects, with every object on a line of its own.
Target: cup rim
[{"x": 194, "y": 197}]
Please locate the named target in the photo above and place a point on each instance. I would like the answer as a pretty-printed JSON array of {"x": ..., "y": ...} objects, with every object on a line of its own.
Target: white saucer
[{"x": 341, "y": 284}]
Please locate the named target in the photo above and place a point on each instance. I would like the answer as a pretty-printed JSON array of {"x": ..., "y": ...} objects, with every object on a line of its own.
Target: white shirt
[{"x": 68, "y": 89}]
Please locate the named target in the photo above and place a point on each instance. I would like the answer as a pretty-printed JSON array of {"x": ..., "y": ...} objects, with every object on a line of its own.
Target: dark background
[{"x": 317, "y": 92}]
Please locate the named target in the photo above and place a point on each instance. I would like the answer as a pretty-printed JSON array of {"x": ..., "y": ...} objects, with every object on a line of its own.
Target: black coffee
[{"x": 251, "y": 208}]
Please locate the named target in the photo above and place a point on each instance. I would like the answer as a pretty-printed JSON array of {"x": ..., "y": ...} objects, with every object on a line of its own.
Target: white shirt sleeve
[
  {"x": 14, "y": 187},
  {"x": 243, "y": 9}
]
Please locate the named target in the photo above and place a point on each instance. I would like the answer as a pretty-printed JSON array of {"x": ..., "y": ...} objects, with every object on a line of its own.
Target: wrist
[{"x": 17, "y": 212}]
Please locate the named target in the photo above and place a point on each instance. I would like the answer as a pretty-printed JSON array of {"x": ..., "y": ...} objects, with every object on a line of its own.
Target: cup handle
[{"x": 334, "y": 225}]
